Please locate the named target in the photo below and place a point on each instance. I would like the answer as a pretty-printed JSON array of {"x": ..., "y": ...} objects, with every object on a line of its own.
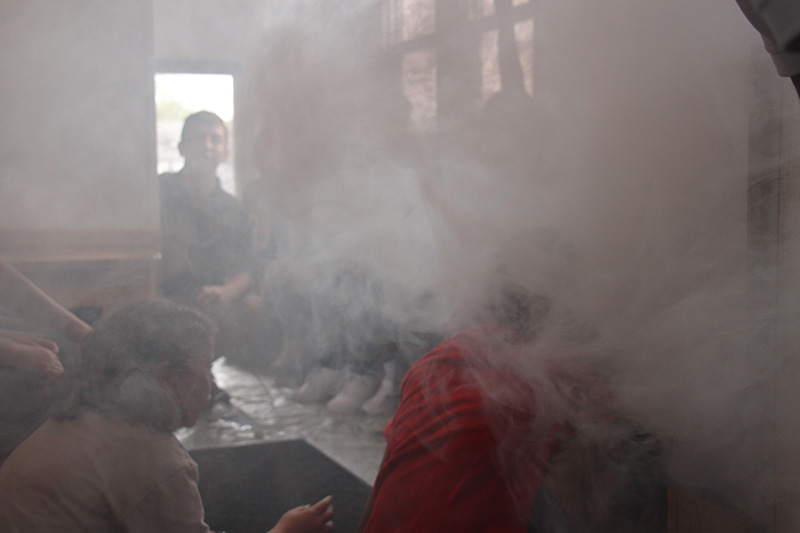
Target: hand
[
  {"x": 215, "y": 297},
  {"x": 212, "y": 297},
  {"x": 40, "y": 358},
  {"x": 31, "y": 354},
  {"x": 317, "y": 518}
]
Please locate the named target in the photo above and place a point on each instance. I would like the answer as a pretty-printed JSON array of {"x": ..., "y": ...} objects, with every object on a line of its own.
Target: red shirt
[{"x": 468, "y": 444}]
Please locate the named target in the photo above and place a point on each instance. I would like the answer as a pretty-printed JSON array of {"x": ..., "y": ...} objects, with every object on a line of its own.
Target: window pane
[
  {"x": 523, "y": 36},
  {"x": 491, "y": 82},
  {"x": 484, "y": 8},
  {"x": 419, "y": 86},
  {"x": 419, "y": 17},
  {"x": 405, "y": 20}
]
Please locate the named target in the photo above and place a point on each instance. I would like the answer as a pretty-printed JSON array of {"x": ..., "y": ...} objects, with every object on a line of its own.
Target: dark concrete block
[{"x": 247, "y": 488}]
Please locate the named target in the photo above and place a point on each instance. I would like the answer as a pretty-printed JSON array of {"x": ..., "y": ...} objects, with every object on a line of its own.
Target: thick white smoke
[{"x": 631, "y": 152}]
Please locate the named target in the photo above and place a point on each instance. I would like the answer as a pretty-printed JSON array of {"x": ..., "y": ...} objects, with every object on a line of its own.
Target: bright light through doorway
[{"x": 179, "y": 95}]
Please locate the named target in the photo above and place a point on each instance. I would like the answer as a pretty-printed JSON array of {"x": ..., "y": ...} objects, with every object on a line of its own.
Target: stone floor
[{"x": 354, "y": 441}]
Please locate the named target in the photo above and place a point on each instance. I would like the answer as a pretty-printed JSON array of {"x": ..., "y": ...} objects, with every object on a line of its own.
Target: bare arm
[
  {"x": 21, "y": 295},
  {"x": 222, "y": 295}
]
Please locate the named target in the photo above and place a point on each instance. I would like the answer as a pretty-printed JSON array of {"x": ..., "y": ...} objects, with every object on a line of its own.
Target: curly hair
[{"x": 116, "y": 374}]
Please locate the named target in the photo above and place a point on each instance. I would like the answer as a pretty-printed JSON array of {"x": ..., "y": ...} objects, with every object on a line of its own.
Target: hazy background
[{"x": 623, "y": 129}]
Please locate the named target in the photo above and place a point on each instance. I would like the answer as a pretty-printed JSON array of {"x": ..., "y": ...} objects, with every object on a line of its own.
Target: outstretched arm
[
  {"x": 21, "y": 295},
  {"x": 214, "y": 296}
]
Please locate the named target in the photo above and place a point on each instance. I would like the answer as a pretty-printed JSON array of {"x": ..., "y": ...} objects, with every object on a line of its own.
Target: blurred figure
[
  {"x": 350, "y": 371},
  {"x": 207, "y": 247},
  {"x": 28, "y": 358},
  {"x": 333, "y": 285},
  {"x": 778, "y": 22},
  {"x": 108, "y": 460}
]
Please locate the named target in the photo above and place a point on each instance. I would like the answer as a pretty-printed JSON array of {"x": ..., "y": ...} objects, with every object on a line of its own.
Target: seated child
[{"x": 107, "y": 459}]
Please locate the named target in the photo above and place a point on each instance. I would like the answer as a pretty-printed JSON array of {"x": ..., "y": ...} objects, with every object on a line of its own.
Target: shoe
[
  {"x": 356, "y": 391},
  {"x": 384, "y": 401},
  {"x": 321, "y": 383}
]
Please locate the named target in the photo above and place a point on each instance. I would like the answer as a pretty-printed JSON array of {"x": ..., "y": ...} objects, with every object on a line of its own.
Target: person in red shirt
[{"x": 479, "y": 419}]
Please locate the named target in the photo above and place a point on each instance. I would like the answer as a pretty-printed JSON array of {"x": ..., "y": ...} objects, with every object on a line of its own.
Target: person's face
[
  {"x": 192, "y": 385},
  {"x": 204, "y": 147}
]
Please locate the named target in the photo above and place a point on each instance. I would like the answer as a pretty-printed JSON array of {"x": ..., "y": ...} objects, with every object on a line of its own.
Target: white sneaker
[
  {"x": 356, "y": 391},
  {"x": 384, "y": 400},
  {"x": 321, "y": 384}
]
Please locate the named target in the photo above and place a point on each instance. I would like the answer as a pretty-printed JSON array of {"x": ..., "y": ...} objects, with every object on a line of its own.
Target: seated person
[
  {"x": 207, "y": 248},
  {"x": 355, "y": 340},
  {"x": 27, "y": 359},
  {"x": 479, "y": 418},
  {"x": 363, "y": 347},
  {"x": 107, "y": 460}
]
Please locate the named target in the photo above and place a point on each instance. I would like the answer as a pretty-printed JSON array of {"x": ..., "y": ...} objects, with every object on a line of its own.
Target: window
[
  {"x": 419, "y": 86},
  {"x": 502, "y": 33},
  {"x": 178, "y": 96},
  {"x": 410, "y": 24}
]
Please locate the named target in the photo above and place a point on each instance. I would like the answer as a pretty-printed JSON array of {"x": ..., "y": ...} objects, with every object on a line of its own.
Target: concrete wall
[
  {"x": 204, "y": 32},
  {"x": 77, "y": 144}
]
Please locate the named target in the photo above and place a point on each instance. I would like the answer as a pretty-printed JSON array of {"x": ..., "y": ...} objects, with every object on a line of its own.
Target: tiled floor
[{"x": 354, "y": 441}]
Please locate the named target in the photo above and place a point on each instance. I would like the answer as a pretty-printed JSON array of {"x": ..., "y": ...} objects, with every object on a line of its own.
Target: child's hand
[
  {"x": 315, "y": 518},
  {"x": 39, "y": 357},
  {"x": 30, "y": 354}
]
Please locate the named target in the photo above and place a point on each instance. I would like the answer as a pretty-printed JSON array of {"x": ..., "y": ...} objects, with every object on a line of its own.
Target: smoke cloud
[
  {"x": 615, "y": 183},
  {"x": 415, "y": 155}
]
